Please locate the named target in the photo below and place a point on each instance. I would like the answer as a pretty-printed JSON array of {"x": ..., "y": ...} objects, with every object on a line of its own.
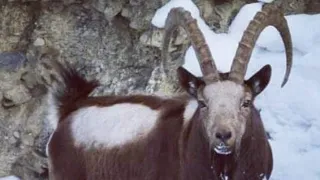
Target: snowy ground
[
  {"x": 9, "y": 178},
  {"x": 291, "y": 114}
]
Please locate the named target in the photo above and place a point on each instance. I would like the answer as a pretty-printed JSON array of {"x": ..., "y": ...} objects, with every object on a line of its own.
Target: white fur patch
[
  {"x": 113, "y": 125},
  {"x": 52, "y": 117},
  {"x": 225, "y": 112},
  {"x": 52, "y": 113},
  {"x": 224, "y": 96},
  {"x": 190, "y": 110},
  {"x": 47, "y": 146}
]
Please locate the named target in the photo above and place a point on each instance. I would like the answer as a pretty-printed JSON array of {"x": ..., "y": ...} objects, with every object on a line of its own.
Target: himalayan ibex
[{"x": 213, "y": 131}]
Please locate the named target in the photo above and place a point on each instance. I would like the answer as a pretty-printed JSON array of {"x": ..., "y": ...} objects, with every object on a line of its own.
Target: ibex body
[{"x": 212, "y": 131}]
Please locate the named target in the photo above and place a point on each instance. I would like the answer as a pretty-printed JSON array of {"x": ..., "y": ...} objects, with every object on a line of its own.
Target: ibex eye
[{"x": 246, "y": 103}]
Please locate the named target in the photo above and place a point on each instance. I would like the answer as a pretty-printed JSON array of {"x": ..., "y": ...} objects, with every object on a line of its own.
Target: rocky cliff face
[
  {"x": 113, "y": 41},
  {"x": 99, "y": 37}
]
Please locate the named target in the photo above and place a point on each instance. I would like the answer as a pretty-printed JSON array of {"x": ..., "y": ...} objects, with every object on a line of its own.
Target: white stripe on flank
[{"x": 113, "y": 125}]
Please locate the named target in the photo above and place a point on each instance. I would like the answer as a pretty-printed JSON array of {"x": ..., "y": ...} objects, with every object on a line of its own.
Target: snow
[
  {"x": 266, "y": 1},
  {"x": 291, "y": 114},
  {"x": 305, "y": 30},
  {"x": 9, "y": 178},
  {"x": 161, "y": 14},
  {"x": 230, "y": 44}
]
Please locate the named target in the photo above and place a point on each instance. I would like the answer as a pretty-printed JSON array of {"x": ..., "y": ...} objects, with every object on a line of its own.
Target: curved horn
[
  {"x": 269, "y": 15},
  {"x": 180, "y": 17}
]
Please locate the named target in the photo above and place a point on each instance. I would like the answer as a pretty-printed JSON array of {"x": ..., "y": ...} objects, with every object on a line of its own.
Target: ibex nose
[{"x": 223, "y": 135}]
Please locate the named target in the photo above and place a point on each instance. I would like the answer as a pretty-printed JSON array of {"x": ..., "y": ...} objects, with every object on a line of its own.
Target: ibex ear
[
  {"x": 189, "y": 82},
  {"x": 259, "y": 81}
]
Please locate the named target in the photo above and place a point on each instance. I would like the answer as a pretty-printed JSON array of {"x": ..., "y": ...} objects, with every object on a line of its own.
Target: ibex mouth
[{"x": 222, "y": 149}]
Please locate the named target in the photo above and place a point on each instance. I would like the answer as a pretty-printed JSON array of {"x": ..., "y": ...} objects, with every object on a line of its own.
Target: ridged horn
[
  {"x": 269, "y": 15},
  {"x": 180, "y": 17}
]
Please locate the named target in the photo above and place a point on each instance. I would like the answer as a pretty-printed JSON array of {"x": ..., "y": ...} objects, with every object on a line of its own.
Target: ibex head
[{"x": 226, "y": 98}]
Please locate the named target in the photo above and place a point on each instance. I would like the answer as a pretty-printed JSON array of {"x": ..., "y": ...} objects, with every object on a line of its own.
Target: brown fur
[
  {"x": 153, "y": 157},
  {"x": 255, "y": 155},
  {"x": 254, "y": 158},
  {"x": 171, "y": 151}
]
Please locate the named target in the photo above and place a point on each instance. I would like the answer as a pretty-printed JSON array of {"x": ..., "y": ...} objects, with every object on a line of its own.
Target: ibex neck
[{"x": 223, "y": 166}]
